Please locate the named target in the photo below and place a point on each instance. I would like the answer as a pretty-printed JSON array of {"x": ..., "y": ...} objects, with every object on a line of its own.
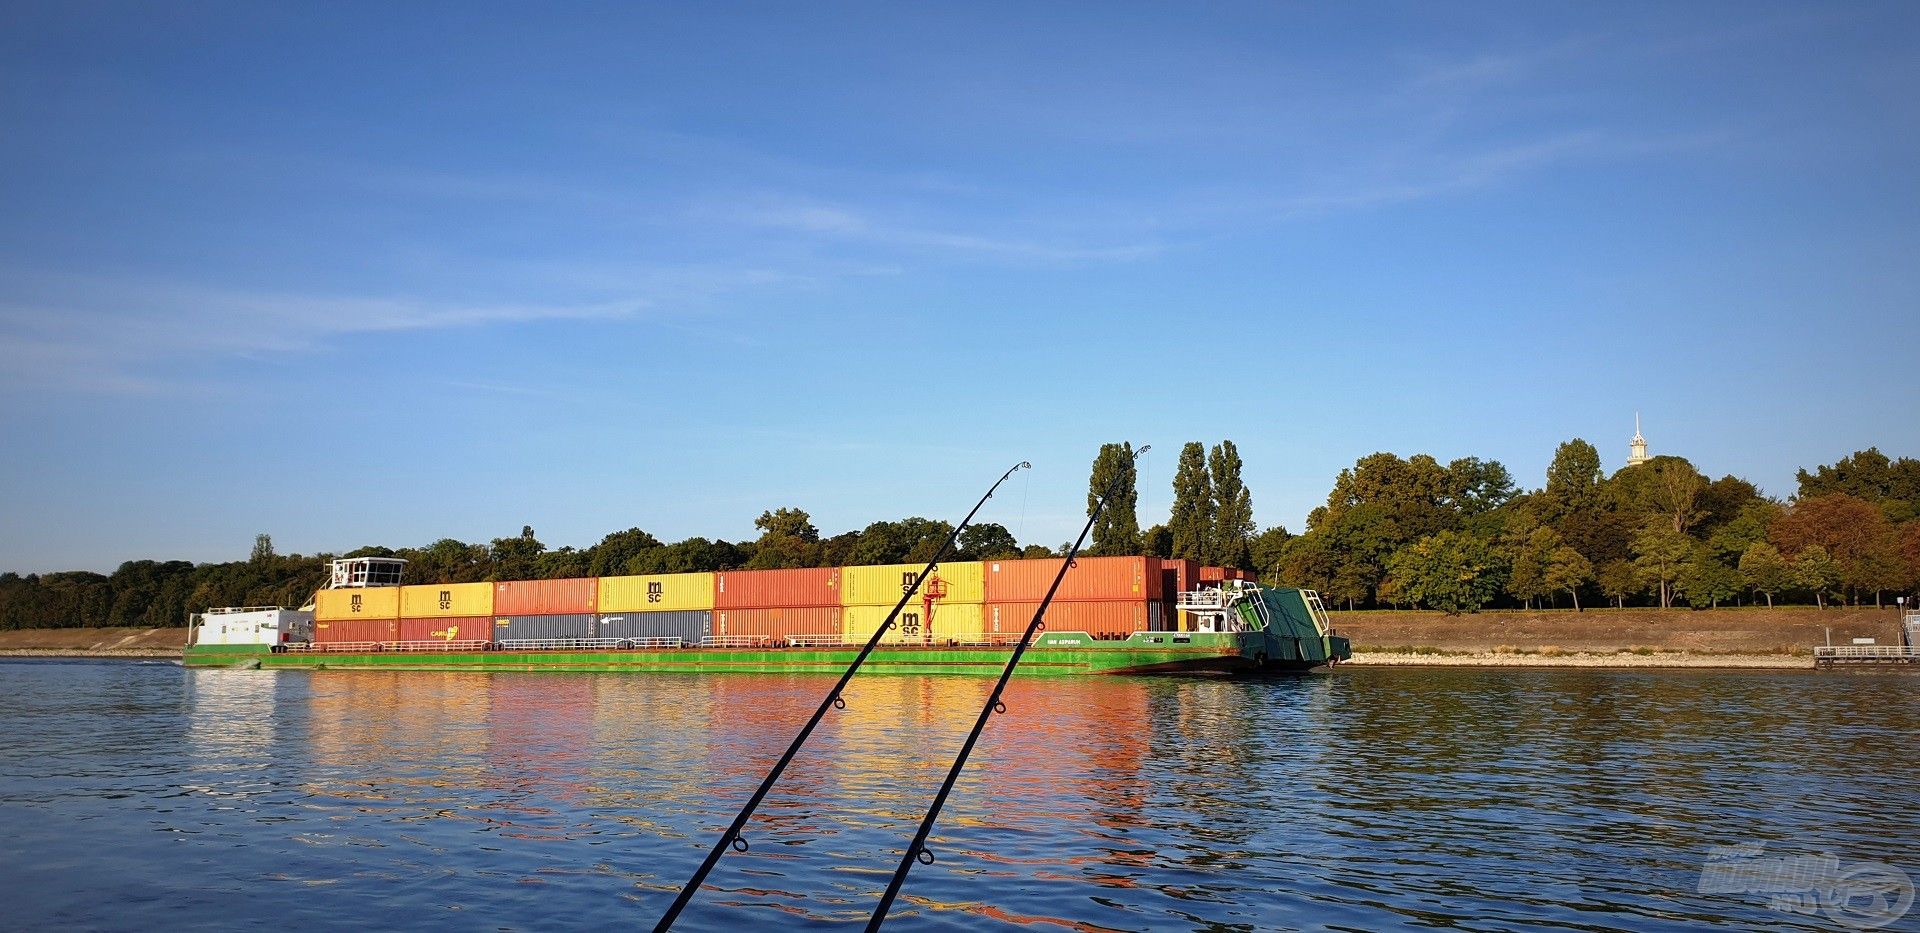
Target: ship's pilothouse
[{"x": 1236, "y": 606}]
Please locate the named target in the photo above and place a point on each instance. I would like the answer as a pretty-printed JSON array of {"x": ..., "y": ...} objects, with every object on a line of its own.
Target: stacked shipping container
[
  {"x": 667, "y": 605},
  {"x": 371, "y": 614},
  {"x": 770, "y": 605},
  {"x": 1108, "y": 597},
  {"x": 545, "y": 610},
  {"x": 949, "y": 606},
  {"x": 446, "y": 612}
]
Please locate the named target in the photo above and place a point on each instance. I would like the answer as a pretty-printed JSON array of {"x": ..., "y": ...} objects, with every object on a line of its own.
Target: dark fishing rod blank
[
  {"x": 732, "y": 838},
  {"x": 917, "y": 850}
]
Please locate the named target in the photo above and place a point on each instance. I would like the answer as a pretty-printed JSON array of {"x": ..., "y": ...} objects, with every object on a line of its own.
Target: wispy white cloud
[
  {"x": 868, "y": 226},
  {"x": 107, "y": 335}
]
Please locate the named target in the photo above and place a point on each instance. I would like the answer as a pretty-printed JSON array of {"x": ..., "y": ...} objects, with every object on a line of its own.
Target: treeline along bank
[{"x": 1394, "y": 533}]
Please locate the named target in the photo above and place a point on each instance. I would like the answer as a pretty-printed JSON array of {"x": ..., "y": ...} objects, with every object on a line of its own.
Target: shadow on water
[{"x": 1360, "y": 799}]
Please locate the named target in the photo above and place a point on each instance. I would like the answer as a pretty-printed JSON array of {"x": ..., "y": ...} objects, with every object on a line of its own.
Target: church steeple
[{"x": 1637, "y": 449}]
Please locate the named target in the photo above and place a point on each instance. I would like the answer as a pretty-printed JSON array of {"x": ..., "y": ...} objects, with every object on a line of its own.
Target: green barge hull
[{"x": 1052, "y": 654}]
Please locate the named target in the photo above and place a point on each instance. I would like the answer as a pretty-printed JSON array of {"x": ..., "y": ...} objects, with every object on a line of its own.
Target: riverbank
[
  {"x": 93, "y": 643},
  {"x": 1710, "y": 638}
]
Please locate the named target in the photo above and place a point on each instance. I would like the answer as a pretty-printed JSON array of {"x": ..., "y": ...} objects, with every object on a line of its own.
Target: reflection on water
[{"x": 141, "y": 796}]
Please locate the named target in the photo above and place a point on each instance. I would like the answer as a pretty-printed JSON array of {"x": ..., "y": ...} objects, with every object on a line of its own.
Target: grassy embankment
[
  {"x": 1743, "y": 637},
  {"x": 93, "y": 642}
]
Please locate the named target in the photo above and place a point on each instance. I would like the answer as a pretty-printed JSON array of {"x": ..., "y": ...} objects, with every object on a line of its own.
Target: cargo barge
[{"x": 1111, "y": 616}]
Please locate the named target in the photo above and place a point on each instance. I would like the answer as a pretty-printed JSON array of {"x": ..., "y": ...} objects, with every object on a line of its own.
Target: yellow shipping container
[
  {"x": 446, "y": 600},
  {"x": 371, "y": 602},
  {"x": 961, "y": 621},
  {"x": 658, "y": 592},
  {"x": 965, "y": 581}
]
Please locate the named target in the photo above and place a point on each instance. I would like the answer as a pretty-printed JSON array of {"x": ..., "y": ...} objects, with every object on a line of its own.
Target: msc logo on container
[
  {"x": 654, "y": 593},
  {"x": 354, "y": 603},
  {"x": 446, "y": 599}
]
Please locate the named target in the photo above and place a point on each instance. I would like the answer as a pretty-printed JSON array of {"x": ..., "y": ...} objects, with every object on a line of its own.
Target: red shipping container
[
  {"x": 334, "y": 631},
  {"x": 546, "y": 597},
  {"x": 770, "y": 589},
  {"x": 1090, "y": 578},
  {"x": 777, "y": 623},
  {"x": 458, "y": 628},
  {"x": 1104, "y": 619}
]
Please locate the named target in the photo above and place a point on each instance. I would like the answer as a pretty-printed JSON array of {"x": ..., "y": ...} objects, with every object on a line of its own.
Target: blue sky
[{"x": 353, "y": 274}]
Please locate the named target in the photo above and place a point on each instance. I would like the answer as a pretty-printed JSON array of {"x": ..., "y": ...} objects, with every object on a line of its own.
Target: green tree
[
  {"x": 1704, "y": 581},
  {"x": 1815, "y": 570},
  {"x": 1763, "y": 569},
  {"x": 1233, "y": 508},
  {"x": 1569, "y": 570},
  {"x": 1660, "y": 553},
  {"x": 611, "y": 556},
  {"x": 1449, "y": 571},
  {"x": 1157, "y": 541},
  {"x": 1191, "y": 522},
  {"x": 988, "y": 541},
  {"x": 516, "y": 558},
  {"x": 1476, "y": 486},
  {"x": 788, "y": 539},
  {"x": 1528, "y": 579},
  {"x": 1618, "y": 581},
  {"x": 1573, "y": 479},
  {"x": 1117, "y": 531},
  {"x": 1268, "y": 551},
  {"x": 262, "y": 549}
]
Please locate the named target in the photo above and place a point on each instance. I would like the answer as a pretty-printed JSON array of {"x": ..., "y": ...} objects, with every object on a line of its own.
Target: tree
[
  {"x": 1475, "y": 486},
  {"x": 1573, "y": 479},
  {"x": 1676, "y": 491},
  {"x": 1762, "y": 567},
  {"x": 1233, "y": 508},
  {"x": 1705, "y": 581},
  {"x": 1531, "y": 562},
  {"x": 1191, "y": 523},
  {"x": 1117, "y": 531},
  {"x": 1618, "y": 581},
  {"x": 988, "y": 541},
  {"x": 515, "y": 558},
  {"x": 1157, "y": 542},
  {"x": 1569, "y": 570},
  {"x": 1449, "y": 571},
  {"x": 262, "y": 549},
  {"x": 1847, "y": 528},
  {"x": 611, "y": 556},
  {"x": 1815, "y": 570},
  {"x": 789, "y": 523},
  {"x": 787, "y": 539},
  {"x": 1268, "y": 549},
  {"x": 1660, "y": 553}
]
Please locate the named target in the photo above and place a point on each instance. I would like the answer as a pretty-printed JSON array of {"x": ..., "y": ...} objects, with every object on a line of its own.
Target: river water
[{"x": 143, "y": 795}]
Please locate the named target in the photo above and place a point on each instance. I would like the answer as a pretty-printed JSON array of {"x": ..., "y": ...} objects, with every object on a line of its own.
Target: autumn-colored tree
[{"x": 1847, "y": 528}]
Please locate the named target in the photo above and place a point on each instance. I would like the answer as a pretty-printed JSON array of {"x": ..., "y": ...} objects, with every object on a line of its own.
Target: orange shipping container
[
  {"x": 459, "y": 628},
  {"x": 546, "y": 597},
  {"x": 1109, "y": 619},
  {"x": 769, "y": 589},
  {"x": 335, "y": 631},
  {"x": 1102, "y": 578},
  {"x": 777, "y": 623}
]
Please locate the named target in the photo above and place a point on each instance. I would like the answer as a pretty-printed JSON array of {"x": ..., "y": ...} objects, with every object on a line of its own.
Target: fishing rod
[
  {"x": 917, "y": 851},
  {"x": 731, "y": 838}
]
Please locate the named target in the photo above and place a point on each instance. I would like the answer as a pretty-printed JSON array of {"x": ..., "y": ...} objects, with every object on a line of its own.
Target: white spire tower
[{"x": 1637, "y": 450}]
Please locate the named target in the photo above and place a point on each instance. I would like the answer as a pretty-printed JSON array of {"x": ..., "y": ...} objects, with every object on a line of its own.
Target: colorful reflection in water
[{"x": 146, "y": 795}]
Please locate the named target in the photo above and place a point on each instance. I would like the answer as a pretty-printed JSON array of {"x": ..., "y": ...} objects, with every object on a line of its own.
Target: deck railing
[{"x": 1866, "y": 652}]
